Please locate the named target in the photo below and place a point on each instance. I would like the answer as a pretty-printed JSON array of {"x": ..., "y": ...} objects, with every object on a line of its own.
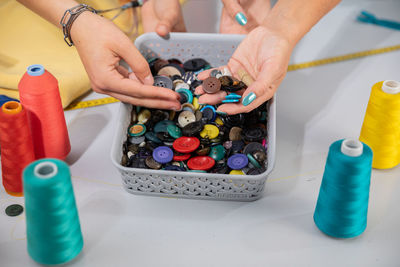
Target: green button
[
  {"x": 253, "y": 161},
  {"x": 161, "y": 127},
  {"x": 174, "y": 131},
  {"x": 137, "y": 130},
  {"x": 217, "y": 152}
]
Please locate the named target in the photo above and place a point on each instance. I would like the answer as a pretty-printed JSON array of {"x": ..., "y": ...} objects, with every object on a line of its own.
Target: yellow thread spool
[{"x": 381, "y": 127}]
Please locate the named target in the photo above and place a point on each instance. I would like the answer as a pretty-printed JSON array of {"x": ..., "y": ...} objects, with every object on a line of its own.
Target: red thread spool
[
  {"x": 16, "y": 146},
  {"x": 39, "y": 94}
]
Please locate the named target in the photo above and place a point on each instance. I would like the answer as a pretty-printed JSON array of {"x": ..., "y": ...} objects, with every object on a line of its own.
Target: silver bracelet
[{"x": 69, "y": 17}]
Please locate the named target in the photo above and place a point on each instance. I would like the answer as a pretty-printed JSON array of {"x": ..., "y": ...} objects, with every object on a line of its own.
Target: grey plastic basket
[{"x": 216, "y": 49}]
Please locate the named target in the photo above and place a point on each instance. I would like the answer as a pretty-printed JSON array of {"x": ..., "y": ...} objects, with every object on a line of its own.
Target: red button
[
  {"x": 181, "y": 157},
  {"x": 203, "y": 163},
  {"x": 186, "y": 144}
]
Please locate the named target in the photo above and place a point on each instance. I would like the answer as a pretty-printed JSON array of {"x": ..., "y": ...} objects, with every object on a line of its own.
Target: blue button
[
  {"x": 238, "y": 161},
  {"x": 163, "y": 154},
  {"x": 233, "y": 96},
  {"x": 209, "y": 112},
  {"x": 230, "y": 100}
]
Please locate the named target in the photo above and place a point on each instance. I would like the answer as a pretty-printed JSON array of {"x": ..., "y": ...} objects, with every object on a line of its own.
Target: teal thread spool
[
  {"x": 52, "y": 223},
  {"x": 342, "y": 204}
]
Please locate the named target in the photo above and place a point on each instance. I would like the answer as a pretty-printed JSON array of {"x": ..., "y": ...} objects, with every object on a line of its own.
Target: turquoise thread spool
[
  {"x": 342, "y": 205},
  {"x": 52, "y": 223}
]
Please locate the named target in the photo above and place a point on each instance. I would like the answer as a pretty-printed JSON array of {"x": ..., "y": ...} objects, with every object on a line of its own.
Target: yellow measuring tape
[{"x": 304, "y": 65}]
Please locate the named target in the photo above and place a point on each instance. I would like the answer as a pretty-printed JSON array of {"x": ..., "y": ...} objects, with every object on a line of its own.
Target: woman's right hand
[{"x": 101, "y": 45}]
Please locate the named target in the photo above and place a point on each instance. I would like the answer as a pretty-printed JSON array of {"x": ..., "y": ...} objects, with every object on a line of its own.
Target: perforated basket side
[{"x": 217, "y": 49}]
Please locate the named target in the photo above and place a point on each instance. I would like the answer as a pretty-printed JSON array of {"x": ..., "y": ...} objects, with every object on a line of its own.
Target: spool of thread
[
  {"x": 52, "y": 223},
  {"x": 342, "y": 205},
  {"x": 381, "y": 127},
  {"x": 16, "y": 146},
  {"x": 39, "y": 94}
]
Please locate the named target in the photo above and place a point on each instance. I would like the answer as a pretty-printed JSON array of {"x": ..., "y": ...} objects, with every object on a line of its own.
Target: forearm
[
  {"x": 295, "y": 18},
  {"x": 50, "y": 10}
]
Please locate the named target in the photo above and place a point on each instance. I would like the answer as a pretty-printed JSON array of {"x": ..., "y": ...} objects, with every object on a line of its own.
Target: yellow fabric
[{"x": 28, "y": 39}]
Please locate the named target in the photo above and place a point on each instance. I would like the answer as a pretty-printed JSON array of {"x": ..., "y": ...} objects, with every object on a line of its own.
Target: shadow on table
[{"x": 83, "y": 131}]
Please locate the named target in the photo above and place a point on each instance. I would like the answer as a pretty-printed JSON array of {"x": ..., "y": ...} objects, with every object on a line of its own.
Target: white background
[{"x": 315, "y": 107}]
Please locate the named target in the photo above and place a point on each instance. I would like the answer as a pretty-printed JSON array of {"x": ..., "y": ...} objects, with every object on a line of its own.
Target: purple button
[
  {"x": 163, "y": 154},
  {"x": 238, "y": 161}
]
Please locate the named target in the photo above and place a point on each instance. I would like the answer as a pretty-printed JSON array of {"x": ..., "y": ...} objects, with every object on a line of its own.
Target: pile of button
[{"x": 198, "y": 138}]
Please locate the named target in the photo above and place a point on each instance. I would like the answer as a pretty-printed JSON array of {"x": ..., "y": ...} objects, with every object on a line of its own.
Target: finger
[
  {"x": 134, "y": 88},
  {"x": 167, "y": 22},
  {"x": 260, "y": 91},
  {"x": 205, "y": 74},
  {"x": 136, "y": 61},
  {"x": 148, "y": 102},
  {"x": 212, "y": 99},
  {"x": 235, "y": 11},
  {"x": 199, "y": 90}
]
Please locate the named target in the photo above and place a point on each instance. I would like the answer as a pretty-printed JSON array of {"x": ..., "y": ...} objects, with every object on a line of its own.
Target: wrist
[
  {"x": 72, "y": 20},
  {"x": 285, "y": 26}
]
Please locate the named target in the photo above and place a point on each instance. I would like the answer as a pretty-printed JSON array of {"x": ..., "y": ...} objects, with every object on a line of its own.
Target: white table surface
[{"x": 315, "y": 107}]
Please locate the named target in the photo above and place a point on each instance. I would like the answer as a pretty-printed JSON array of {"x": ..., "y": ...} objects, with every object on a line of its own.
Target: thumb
[
  {"x": 167, "y": 23},
  {"x": 235, "y": 11},
  {"x": 136, "y": 62}
]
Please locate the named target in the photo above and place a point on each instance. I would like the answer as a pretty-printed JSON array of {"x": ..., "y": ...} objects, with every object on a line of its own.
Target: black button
[
  {"x": 174, "y": 168},
  {"x": 192, "y": 128},
  {"x": 195, "y": 64},
  {"x": 253, "y": 147},
  {"x": 233, "y": 120},
  {"x": 237, "y": 146},
  {"x": 14, "y": 210},
  {"x": 255, "y": 171},
  {"x": 208, "y": 114},
  {"x": 184, "y": 98},
  {"x": 253, "y": 134}
]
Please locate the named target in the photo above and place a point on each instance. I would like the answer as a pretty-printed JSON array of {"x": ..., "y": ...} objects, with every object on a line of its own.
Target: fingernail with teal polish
[
  {"x": 241, "y": 18},
  {"x": 221, "y": 112},
  {"x": 248, "y": 99}
]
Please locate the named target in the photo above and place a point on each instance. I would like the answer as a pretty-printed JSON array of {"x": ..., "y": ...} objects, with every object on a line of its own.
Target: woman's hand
[
  {"x": 264, "y": 55},
  {"x": 242, "y": 16},
  {"x": 162, "y": 17},
  {"x": 101, "y": 46}
]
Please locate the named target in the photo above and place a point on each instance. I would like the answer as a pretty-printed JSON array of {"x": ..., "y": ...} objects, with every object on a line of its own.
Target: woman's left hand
[
  {"x": 264, "y": 55},
  {"x": 162, "y": 17}
]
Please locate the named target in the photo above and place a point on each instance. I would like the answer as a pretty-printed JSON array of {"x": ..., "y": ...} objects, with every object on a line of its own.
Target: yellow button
[
  {"x": 209, "y": 131},
  {"x": 219, "y": 121},
  {"x": 236, "y": 172},
  {"x": 196, "y": 103}
]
